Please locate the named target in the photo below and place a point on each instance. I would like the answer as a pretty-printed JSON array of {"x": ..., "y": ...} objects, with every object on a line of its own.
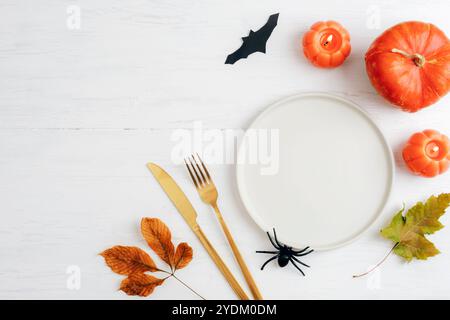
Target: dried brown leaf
[
  {"x": 134, "y": 262},
  {"x": 159, "y": 238},
  {"x": 128, "y": 260},
  {"x": 140, "y": 284},
  {"x": 183, "y": 255}
]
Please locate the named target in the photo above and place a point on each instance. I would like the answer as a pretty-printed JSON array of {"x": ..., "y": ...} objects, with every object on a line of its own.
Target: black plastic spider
[{"x": 285, "y": 254}]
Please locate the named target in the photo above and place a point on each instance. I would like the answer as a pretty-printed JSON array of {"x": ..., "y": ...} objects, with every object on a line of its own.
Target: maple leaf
[
  {"x": 159, "y": 238},
  {"x": 408, "y": 231},
  {"x": 140, "y": 284},
  {"x": 128, "y": 260},
  {"x": 183, "y": 255}
]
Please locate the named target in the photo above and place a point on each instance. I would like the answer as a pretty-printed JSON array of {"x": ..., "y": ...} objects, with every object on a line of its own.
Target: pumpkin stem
[{"x": 417, "y": 58}]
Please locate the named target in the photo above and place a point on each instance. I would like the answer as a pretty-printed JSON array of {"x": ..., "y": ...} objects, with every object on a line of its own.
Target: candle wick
[{"x": 330, "y": 37}]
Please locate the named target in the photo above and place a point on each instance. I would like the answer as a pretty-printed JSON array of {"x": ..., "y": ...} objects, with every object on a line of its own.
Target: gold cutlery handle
[
  {"x": 220, "y": 264},
  {"x": 246, "y": 272}
]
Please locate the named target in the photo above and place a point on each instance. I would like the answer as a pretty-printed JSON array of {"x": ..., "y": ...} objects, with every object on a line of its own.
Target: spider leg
[
  {"x": 272, "y": 252},
  {"x": 271, "y": 241},
  {"x": 303, "y": 254},
  {"x": 300, "y": 251},
  {"x": 300, "y": 262},
  {"x": 276, "y": 240},
  {"x": 265, "y": 263},
  {"x": 298, "y": 268}
]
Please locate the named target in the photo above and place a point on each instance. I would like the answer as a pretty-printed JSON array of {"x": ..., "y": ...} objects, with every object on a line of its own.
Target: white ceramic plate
[{"x": 327, "y": 180}]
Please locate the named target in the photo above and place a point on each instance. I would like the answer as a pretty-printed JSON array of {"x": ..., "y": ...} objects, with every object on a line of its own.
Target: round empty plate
[{"x": 316, "y": 168}]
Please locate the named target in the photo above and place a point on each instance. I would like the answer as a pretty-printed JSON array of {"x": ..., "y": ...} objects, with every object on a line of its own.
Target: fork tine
[
  {"x": 205, "y": 180},
  {"x": 199, "y": 179},
  {"x": 204, "y": 167},
  {"x": 191, "y": 174}
]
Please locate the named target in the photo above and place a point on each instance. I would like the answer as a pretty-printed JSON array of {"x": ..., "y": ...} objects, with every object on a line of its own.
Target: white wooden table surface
[{"x": 91, "y": 90}]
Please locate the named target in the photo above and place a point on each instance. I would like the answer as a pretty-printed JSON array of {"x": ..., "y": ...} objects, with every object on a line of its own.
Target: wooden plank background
[{"x": 85, "y": 103}]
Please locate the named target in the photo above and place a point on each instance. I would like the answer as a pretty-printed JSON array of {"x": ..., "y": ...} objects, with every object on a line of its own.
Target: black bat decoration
[{"x": 255, "y": 41}]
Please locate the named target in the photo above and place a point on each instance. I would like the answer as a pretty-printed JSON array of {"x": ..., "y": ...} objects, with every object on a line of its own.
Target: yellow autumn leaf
[{"x": 408, "y": 231}]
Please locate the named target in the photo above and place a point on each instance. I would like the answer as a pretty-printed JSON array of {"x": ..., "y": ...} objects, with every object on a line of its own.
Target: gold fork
[{"x": 208, "y": 193}]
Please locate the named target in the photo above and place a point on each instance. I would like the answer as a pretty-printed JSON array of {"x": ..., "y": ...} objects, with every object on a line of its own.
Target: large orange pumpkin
[{"x": 409, "y": 65}]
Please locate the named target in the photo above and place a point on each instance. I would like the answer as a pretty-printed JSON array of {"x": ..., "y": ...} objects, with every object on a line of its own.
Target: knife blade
[
  {"x": 175, "y": 194},
  {"x": 185, "y": 208}
]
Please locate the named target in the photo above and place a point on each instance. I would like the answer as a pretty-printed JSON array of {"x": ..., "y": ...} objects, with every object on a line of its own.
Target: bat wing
[
  {"x": 237, "y": 55},
  {"x": 263, "y": 34},
  {"x": 255, "y": 41},
  {"x": 243, "y": 52},
  {"x": 266, "y": 30}
]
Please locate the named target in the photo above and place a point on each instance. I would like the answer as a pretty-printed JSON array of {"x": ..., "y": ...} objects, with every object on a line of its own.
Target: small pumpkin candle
[
  {"x": 427, "y": 153},
  {"x": 326, "y": 44}
]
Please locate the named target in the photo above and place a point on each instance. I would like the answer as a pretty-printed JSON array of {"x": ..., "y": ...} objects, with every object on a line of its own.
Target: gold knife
[{"x": 185, "y": 208}]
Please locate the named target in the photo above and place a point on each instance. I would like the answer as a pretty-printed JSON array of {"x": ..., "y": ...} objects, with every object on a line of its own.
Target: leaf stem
[
  {"x": 378, "y": 264},
  {"x": 173, "y": 275}
]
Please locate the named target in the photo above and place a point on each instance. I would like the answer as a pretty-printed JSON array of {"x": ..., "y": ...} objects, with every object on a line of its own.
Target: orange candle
[
  {"x": 326, "y": 44},
  {"x": 427, "y": 153}
]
